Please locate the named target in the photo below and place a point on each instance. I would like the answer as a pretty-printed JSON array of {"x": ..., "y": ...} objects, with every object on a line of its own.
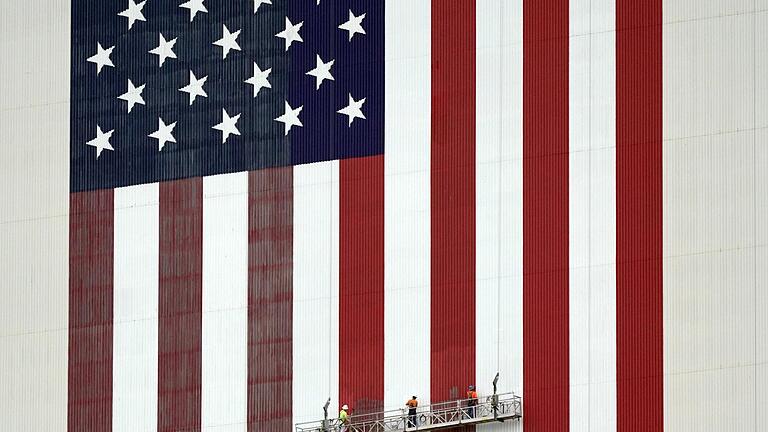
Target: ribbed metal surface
[
  {"x": 639, "y": 202},
  {"x": 34, "y": 213},
  {"x": 714, "y": 214},
  {"x": 270, "y": 299},
  {"x": 714, "y": 207},
  {"x": 361, "y": 284},
  {"x": 546, "y": 365},
  {"x": 452, "y": 201}
]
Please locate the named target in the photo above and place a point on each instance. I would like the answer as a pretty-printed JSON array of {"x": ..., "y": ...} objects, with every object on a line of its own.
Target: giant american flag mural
[{"x": 274, "y": 202}]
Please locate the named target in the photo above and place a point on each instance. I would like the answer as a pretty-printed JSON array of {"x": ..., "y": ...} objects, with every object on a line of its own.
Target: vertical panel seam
[
  {"x": 754, "y": 201},
  {"x": 498, "y": 216},
  {"x": 331, "y": 203},
  {"x": 589, "y": 229}
]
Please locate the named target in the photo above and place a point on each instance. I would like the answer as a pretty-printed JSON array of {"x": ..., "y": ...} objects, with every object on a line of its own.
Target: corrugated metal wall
[
  {"x": 34, "y": 208},
  {"x": 715, "y": 220}
]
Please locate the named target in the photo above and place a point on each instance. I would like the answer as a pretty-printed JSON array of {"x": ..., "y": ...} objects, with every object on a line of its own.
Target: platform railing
[{"x": 500, "y": 407}]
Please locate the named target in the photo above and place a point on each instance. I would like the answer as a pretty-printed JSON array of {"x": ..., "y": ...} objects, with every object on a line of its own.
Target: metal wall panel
[
  {"x": 499, "y": 231},
  {"x": 687, "y": 10},
  {"x": 407, "y": 203},
  {"x": 761, "y": 205},
  {"x": 34, "y": 207},
  {"x": 270, "y": 299},
  {"x": 35, "y": 47},
  {"x": 715, "y": 177},
  {"x": 592, "y": 212},
  {"x": 710, "y": 219}
]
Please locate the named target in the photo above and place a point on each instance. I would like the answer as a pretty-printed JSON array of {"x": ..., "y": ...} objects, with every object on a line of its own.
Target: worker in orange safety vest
[
  {"x": 471, "y": 401},
  {"x": 412, "y": 404}
]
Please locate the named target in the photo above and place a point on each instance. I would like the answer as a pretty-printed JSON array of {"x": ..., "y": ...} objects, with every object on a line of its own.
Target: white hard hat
[{"x": 345, "y": 407}]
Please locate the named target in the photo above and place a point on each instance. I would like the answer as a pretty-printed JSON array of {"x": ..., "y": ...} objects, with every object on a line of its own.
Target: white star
[
  {"x": 101, "y": 58},
  {"x": 354, "y": 24},
  {"x": 322, "y": 71},
  {"x": 164, "y": 49},
  {"x": 291, "y": 117},
  {"x": 133, "y": 13},
  {"x": 228, "y": 41},
  {"x": 133, "y": 95},
  {"x": 163, "y": 134},
  {"x": 291, "y": 33},
  {"x": 194, "y": 7},
  {"x": 259, "y": 79},
  {"x": 353, "y": 110},
  {"x": 195, "y": 87},
  {"x": 257, "y": 3},
  {"x": 227, "y": 126},
  {"x": 101, "y": 142}
]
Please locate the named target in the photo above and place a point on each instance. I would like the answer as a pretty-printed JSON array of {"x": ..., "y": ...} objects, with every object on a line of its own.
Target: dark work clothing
[
  {"x": 411, "y": 404},
  {"x": 472, "y": 403}
]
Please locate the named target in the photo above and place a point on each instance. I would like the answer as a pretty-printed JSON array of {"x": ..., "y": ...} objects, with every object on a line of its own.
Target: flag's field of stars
[{"x": 168, "y": 89}]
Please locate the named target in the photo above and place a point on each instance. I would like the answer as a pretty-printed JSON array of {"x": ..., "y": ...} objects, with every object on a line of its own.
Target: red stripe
[
  {"x": 270, "y": 300},
  {"x": 361, "y": 284},
  {"x": 91, "y": 238},
  {"x": 545, "y": 215},
  {"x": 180, "y": 305},
  {"x": 452, "y": 199},
  {"x": 639, "y": 301}
]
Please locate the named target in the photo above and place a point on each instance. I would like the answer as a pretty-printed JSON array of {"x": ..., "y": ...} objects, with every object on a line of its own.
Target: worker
[
  {"x": 471, "y": 401},
  {"x": 412, "y": 404},
  {"x": 343, "y": 418}
]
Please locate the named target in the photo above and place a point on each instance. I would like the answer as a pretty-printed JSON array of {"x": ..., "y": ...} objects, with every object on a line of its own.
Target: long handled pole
[
  {"x": 495, "y": 399},
  {"x": 325, "y": 416}
]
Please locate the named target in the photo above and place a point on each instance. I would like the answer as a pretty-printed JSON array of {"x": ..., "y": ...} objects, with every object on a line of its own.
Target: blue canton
[{"x": 171, "y": 89}]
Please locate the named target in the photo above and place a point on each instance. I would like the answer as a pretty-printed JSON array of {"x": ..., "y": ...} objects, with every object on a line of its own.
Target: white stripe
[
  {"x": 511, "y": 210},
  {"x": 499, "y": 229},
  {"x": 315, "y": 289},
  {"x": 592, "y": 202},
  {"x": 579, "y": 207},
  {"x": 225, "y": 302},
  {"x": 407, "y": 203},
  {"x": 136, "y": 249},
  {"x": 488, "y": 196}
]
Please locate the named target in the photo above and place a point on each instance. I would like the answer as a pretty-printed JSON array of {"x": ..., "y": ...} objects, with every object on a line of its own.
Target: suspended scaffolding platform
[{"x": 435, "y": 417}]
